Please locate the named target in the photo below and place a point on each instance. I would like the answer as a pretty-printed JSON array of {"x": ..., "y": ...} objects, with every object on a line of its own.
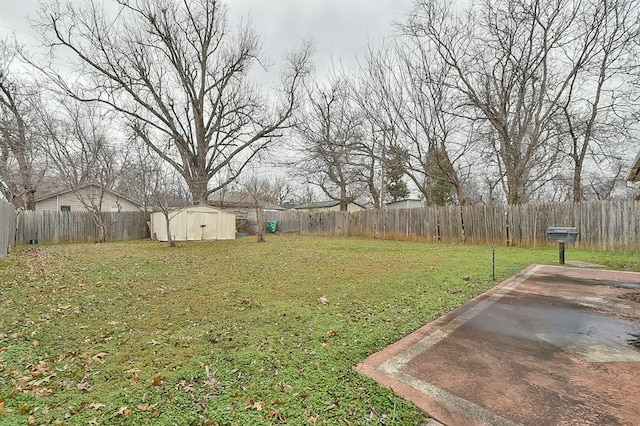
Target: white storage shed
[{"x": 195, "y": 223}]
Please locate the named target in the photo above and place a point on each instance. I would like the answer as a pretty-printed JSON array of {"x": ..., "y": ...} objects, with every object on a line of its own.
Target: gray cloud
[{"x": 340, "y": 29}]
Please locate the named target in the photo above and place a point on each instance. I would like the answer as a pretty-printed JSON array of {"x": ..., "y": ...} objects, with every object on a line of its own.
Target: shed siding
[{"x": 195, "y": 223}]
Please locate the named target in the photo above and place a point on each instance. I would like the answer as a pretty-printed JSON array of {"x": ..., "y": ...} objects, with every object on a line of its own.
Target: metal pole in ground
[
  {"x": 561, "y": 253},
  {"x": 494, "y": 262}
]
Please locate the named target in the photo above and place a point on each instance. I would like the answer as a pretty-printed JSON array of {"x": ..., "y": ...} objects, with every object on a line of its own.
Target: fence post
[{"x": 7, "y": 227}]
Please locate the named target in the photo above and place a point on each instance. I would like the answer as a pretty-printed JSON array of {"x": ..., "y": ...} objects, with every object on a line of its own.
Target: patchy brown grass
[{"x": 229, "y": 332}]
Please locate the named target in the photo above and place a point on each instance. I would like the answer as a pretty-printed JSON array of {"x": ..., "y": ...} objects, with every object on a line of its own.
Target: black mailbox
[{"x": 562, "y": 235}]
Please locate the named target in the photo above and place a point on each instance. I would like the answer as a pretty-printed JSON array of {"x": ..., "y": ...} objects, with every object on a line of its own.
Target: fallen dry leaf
[
  {"x": 36, "y": 383},
  {"x": 251, "y": 405},
  {"x": 313, "y": 420},
  {"x": 124, "y": 411},
  {"x": 38, "y": 370},
  {"x": 83, "y": 386},
  {"x": 185, "y": 386},
  {"x": 211, "y": 382},
  {"x": 31, "y": 420},
  {"x": 2, "y": 409},
  {"x": 327, "y": 345},
  {"x": 42, "y": 392},
  {"x": 145, "y": 407},
  {"x": 158, "y": 380},
  {"x": 96, "y": 405},
  {"x": 273, "y": 414},
  {"x": 100, "y": 356},
  {"x": 324, "y": 300}
]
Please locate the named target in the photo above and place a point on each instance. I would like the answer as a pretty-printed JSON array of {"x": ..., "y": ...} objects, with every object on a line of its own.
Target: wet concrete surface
[{"x": 550, "y": 346}]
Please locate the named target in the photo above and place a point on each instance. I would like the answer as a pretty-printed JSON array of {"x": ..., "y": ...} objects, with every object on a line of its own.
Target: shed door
[{"x": 202, "y": 225}]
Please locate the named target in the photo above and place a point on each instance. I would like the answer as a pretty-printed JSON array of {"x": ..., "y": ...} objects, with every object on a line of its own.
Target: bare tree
[
  {"x": 258, "y": 190},
  {"x": 22, "y": 165},
  {"x": 403, "y": 87},
  {"x": 370, "y": 91},
  {"x": 331, "y": 142},
  {"x": 84, "y": 156},
  {"x": 142, "y": 178},
  {"x": 180, "y": 77},
  {"x": 282, "y": 190},
  {"x": 509, "y": 61},
  {"x": 166, "y": 192},
  {"x": 440, "y": 151},
  {"x": 595, "y": 110}
]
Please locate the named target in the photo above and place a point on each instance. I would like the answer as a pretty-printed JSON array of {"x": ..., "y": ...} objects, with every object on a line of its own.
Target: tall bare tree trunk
[
  {"x": 101, "y": 236},
  {"x": 170, "y": 240}
]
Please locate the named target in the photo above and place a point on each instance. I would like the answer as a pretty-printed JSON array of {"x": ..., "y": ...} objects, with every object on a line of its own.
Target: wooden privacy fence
[
  {"x": 288, "y": 221},
  {"x": 602, "y": 224},
  {"x": 62, "y": 227},
  {"x": 7, "y": 227}
]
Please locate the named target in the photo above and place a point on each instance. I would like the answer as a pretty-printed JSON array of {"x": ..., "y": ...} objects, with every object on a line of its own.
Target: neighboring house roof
[
  {"x": 88, "y": 185},
  {"x": 634, "y": 173},
  {"x": 239, "y": 200},
  {"x": 288, "y": 206},
  {"x": 323, "y": 205}
]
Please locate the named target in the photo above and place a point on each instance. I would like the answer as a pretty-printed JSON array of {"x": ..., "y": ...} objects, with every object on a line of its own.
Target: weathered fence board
[
  {"x": 288, "y": 221},
  {"x": 59, "y": 227},
  {"x": 7, "y": 227},
  {"x": 602, "y": 224}
]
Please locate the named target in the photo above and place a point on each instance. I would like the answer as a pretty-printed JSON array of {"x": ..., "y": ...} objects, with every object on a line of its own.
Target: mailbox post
[{"x": 562, "y": 235}]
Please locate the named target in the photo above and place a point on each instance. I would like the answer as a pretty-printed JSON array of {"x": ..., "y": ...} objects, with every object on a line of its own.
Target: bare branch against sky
[{"x": 340, "y": 29}]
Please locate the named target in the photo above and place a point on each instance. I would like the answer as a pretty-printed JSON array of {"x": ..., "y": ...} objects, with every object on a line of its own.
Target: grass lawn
[{"x": 228, "y": 332}]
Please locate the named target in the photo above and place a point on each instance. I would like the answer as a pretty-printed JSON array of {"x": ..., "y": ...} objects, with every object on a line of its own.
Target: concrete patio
[{"x": 551, "y": 345}]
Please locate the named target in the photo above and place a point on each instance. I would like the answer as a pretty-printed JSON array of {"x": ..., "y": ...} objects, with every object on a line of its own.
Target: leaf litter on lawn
[{"x": 228, "y": 332}]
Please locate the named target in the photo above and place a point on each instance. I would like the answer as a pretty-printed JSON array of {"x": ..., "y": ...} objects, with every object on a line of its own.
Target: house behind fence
[
  {"x": 66, "y": 227},
  {"x": 7, "y": 227},
  {"x": 602, "y": 224}
]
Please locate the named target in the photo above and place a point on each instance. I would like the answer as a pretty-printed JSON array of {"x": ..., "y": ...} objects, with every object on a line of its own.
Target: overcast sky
[{"x": 340, "y": 29}]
